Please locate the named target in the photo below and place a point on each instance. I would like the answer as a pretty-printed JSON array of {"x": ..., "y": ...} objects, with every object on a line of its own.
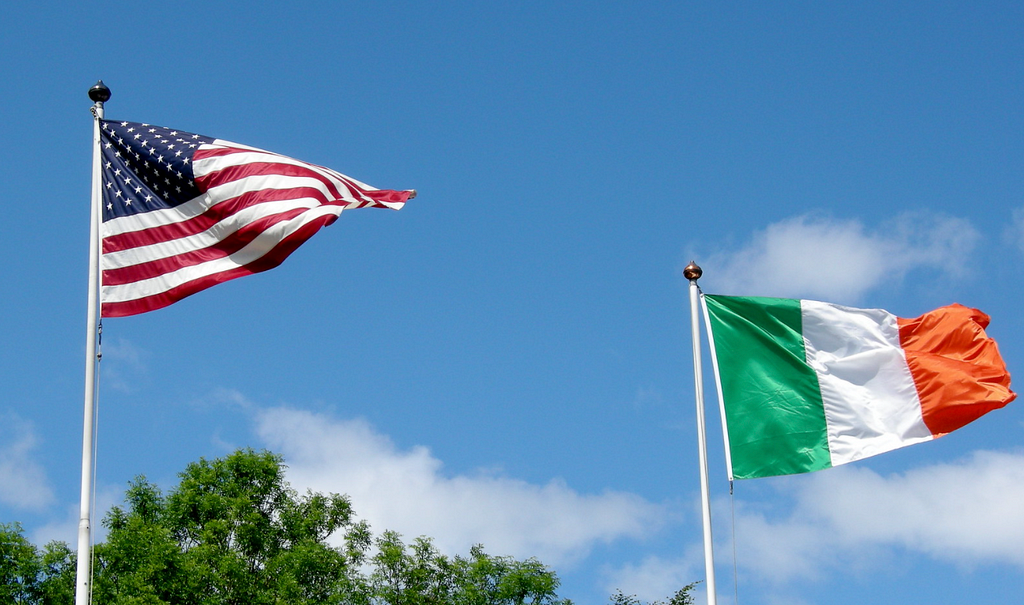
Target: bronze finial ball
[
  {"x": 692, "y": 271},
  {"x": 99, "y": 93}
]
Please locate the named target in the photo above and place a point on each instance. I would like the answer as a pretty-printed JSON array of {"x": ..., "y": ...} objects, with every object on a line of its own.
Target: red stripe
[
  {"x": 957, "y": 368},
  {"x": 199, "y": 224},
  {"x": 341, "y": 192},
  {"x": 212, "y": 150},
  {"x": 388, "y": 195},
  {"x": 221, "y": 210},
  {"x": 227, "y": 246},
  {"x": 229, "y": 174},
  {"x": 272, "y": 259},
  {"x": 379, "y": 195},
  {"x": 232, "y": 173}
]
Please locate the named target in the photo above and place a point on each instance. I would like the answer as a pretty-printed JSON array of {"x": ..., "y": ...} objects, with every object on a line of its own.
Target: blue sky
[{"x": 507, "y": 359}]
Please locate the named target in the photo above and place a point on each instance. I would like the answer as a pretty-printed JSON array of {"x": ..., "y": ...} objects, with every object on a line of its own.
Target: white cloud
[
  {"x": 124, "y": 365},
  {"x": 648, "y": 397},
  {"x": 407, "y": 491},
  {"x": 839, "y": 260},
  {"x": 23, "y": 479},
  {"x": 1015, "y": 230},
  {"x": 965, "y": 513},
  {"x": 65, "y": 529},
  {"x": 657, "y": 578}
]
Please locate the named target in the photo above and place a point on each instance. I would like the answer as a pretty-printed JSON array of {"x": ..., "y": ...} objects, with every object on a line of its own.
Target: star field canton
[{"x": 183, "y": 212}]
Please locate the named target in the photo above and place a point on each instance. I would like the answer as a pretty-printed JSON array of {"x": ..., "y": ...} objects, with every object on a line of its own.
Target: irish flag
[{"x": 808, "y": 385}]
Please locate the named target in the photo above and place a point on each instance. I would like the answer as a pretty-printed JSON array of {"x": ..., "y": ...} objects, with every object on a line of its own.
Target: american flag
[{"x": 183, "y": 212}]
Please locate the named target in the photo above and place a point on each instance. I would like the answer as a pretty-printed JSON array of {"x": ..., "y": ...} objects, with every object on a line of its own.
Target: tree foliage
[
  {"x": 682, "y": 596},
  {"x": 419, "y": 574},
  {"x": 233, "y": 532},
  {"x": 29, "y": 575}
]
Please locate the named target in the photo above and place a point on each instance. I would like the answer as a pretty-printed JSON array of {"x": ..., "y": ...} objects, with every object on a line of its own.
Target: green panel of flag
[{"x": 773, "y": 406}]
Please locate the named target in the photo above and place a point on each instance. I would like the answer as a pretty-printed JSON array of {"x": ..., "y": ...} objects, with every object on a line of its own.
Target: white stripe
[
  {"x": 231, "y": 189},
  {"x": 871, "y": 403},
  {"x": 158, "y": 218},
  {"x": 212, "y": 236},
  {"x": 342, "y": 183},
  {"x": 276, "y": 157},
  {"x": 205, "y": 166},
  {"x": 214, "y": 196},
  {"x": 208, "y": 165},
  {"x": 222, "y": 144},
  {"x": 264, "y": 182},
  {"x": 256, "y": 249}
]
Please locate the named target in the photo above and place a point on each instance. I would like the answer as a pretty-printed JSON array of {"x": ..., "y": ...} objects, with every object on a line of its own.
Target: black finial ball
[{"x": 99, "y": 93}]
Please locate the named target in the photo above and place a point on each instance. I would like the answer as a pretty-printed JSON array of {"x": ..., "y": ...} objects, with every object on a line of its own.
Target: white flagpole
[
  {"x": 692, "y": 272},
  {"x": 83, "y": 582}
]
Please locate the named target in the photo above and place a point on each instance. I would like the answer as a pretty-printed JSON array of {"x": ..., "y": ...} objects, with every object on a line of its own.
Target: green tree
[
  {"x": 419, "y": 574},
  {"x": 28, "y": 575},
  {"x": 57, "y": 581},
  {"x": 19, "y": 566},
  {"x": 682, "y": 596},
  {"x": 507, "y": 581},
  {"x": 233, "y": 532}
]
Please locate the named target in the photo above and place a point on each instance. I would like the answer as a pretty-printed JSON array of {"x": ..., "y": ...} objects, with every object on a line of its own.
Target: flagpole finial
[
  {"x": 99, "y": 93},
  {"x": 692, "y": 271}
]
